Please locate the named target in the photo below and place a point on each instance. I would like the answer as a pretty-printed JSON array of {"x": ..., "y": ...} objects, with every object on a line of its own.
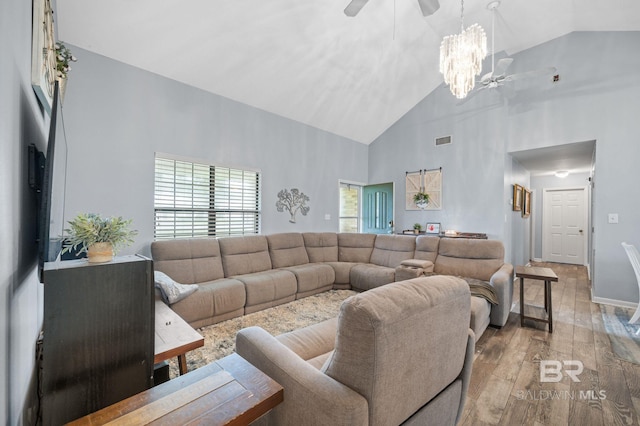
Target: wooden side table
[
  {"x": 174, "y": 337},
  {"x": 537, "y": 273},
  {"x": 230, "y": 391}
]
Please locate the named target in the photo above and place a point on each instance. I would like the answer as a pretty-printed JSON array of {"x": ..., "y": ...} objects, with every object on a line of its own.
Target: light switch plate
[{"x": 613, "y": 217}]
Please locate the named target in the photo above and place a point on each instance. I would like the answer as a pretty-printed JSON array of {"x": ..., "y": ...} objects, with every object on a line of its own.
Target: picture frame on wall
[
  {"x": 526, "y": 203},
  {"x": 43, "y": 53},
  {"x": 517, "y": 197},
  {"x": 432, "y": 228}
]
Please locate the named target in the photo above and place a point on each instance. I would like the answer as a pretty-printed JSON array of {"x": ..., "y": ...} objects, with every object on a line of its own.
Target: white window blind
[{"x": 202, "y": 200}]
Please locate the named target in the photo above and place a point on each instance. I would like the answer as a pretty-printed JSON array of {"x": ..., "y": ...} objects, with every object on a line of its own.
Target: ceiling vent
[{"x": 445, "y": 140}]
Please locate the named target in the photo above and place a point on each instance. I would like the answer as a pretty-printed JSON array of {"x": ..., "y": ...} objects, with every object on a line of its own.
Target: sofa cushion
[
  {"x": 188, "y": 261},
  {"x": 244, "y": 255},
  {"x": 212, "y": 302},
  {"x": 287, "y": 249},
  {"x": 312, "y": 278},
  {"x": 427, "y": 247},
  {"x": 391, "y": 250},
  {"x": 469, "y": 258},
  {"x": 355, "y": 247},
  {"x": 365, "y": 276},
  {"x": 268, "y": 288},
  {"x": 321, "y": 246},
  {"x": 480, "y": 312},
  {"x": 342, "y": 271},
  {"x": 312, "y": 341},
  {"x": 382, "y": 349}
]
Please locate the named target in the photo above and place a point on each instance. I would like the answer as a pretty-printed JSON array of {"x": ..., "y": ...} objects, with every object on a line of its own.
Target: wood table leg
[
  {"x": 521, "y": 302},
  {"x": 547, "y": 286},
  {"x": 182, "y": 364}
]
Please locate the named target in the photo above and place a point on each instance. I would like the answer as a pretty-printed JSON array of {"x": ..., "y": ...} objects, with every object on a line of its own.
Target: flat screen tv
[{"x": 52, "y": 189}]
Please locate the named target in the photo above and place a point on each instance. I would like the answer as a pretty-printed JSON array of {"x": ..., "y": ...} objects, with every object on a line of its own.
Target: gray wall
[
  {"x": 118, "y": 116},
  {"x": 538, "y": 184},
  {"x": 21, "y": 123},
  {"x": 595, "y": 99}
]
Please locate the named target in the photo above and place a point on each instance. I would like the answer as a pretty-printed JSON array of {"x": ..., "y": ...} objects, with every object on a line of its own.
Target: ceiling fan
[
  {"x": 428, "y": 7},
  {"x": 498, "y": 75}
]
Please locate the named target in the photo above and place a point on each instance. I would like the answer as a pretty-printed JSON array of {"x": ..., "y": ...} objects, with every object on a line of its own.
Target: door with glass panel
[{"x": 377, "y": 208}]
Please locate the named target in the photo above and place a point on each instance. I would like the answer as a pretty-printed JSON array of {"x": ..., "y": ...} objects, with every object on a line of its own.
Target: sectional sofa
[{"x": 241, "y": 275}]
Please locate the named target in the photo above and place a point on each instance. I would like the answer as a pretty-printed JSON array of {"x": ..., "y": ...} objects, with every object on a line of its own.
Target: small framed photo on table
[{"x": 433, "y": 228}]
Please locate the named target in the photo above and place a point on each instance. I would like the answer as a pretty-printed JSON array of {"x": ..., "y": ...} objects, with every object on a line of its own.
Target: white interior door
[{"x": 563, "y": 225}]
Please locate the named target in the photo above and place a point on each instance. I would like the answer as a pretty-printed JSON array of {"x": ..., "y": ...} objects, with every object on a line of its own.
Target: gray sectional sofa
[{"x": 241, "y": 275}]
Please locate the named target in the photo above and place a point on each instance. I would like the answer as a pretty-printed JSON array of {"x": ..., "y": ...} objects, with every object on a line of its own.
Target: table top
[
  {"x": 174, "y": 336},
  {"x": 536, "y": 273},
  {"x": 229, "y": 391}
]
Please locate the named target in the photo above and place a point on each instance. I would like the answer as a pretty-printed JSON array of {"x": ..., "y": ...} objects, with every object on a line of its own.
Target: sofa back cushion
[
  {"x": 469, "y": 258},
  {"x": 188, "y": 261},
  {"x": 427, "y": 248},
  {"x": 287, "y": 249},
  {"x": 355, "y": 247},
  {"x": 390, "y": 250},
  {"x": 244, "y": 255},
  {"x": 407, "y": 338},
  {"x": 321, "y": 246}
]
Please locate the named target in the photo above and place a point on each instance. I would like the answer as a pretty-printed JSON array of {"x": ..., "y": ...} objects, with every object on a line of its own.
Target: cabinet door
[{"x": 98, "y": 335}]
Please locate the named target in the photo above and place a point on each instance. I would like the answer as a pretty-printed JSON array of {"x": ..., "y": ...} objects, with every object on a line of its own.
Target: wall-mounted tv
[{"x": 52, "y": 188}]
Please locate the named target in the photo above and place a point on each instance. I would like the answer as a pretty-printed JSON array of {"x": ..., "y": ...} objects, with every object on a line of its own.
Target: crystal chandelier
[{"x": 461, "y": 57}]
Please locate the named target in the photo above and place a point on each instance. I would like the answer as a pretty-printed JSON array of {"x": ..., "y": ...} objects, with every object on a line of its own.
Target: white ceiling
[
  {"x": 307, "y": 61},
  {"x": 573, "y": 158}
]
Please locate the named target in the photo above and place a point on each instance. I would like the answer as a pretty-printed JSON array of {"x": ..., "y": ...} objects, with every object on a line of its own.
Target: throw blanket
[{"x": 478, "y": 288}]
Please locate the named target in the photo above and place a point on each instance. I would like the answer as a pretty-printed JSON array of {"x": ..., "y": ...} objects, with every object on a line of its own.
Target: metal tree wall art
[{"x": 292, "y": 202}]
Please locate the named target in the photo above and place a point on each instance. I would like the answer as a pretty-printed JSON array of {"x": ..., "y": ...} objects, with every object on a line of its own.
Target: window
[
  {"x": 203, "y": 200},
  {"x": 349, "y": 220}
]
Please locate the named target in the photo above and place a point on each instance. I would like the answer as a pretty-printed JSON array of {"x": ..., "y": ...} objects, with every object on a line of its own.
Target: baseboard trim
[
  {"x": 614, "y": 302},
  {"x": 537, "y": 259}
]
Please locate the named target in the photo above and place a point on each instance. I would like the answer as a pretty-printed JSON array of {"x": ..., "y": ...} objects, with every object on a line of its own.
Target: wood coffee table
[
  {"x": 230, "y": 391},
  {"x": 537, "y": 273}
]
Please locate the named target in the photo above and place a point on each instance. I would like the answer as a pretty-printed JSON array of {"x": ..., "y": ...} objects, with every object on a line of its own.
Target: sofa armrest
[
  {"x": 418, "y": 263},
  {"x": 412, "y": 268},
  {"x": 465, "y": 374},
  {"x": 308, "y": 392},
  {"x": 502, "y": 281}
]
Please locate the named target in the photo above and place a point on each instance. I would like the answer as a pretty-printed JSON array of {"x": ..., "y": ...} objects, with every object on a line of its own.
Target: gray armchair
[{"x": 398, "y": 354}]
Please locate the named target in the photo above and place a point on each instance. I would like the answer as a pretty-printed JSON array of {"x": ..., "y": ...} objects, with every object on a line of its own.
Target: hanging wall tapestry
[
  {"x": 424, "y": 181},
  {"x": 292, "y": 201}
]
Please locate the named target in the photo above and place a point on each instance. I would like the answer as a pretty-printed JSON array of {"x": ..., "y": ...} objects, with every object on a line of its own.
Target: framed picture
[
  {"x": 517, "y": 197},
  {"x": 526, "y": 203},
  {"x": 433, "y": 228},
  {"x": 43, "y": 53}
]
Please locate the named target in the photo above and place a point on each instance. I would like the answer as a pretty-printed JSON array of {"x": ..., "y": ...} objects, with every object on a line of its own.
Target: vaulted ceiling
[{"x": 307, "y": 61}]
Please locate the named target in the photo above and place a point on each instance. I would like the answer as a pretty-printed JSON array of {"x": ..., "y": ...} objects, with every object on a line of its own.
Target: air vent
[{"x": 445, "y": 140}]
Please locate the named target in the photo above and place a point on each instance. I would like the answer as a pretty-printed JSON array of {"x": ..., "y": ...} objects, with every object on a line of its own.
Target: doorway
[
  {"x": 377, "y": 208},
  {"x": 564, "y": 222}
]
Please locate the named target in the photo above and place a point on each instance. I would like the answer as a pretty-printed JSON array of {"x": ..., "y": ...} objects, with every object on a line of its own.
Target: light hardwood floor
[{"x": 505, "y": 384}]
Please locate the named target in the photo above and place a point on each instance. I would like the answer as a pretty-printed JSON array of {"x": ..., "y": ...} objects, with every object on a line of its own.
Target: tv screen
[{"x": 52, "y": 199}]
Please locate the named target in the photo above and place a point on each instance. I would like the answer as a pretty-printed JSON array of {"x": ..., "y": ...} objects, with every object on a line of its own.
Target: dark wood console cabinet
[{"x": 98, "y": 342}]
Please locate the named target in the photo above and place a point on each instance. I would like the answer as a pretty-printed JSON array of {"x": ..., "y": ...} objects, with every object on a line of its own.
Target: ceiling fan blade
[
  {"x": 501, "y": 66},
  {"x": 531, "y": 74},
  {"x": 429, "y": 7},
  {"x": 354, "y": 7}
]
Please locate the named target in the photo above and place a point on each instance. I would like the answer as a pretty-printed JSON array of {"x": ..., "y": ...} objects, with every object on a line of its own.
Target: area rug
[
  {"x": 219, "y": 339},
  {"x": 625, "y": 343}
]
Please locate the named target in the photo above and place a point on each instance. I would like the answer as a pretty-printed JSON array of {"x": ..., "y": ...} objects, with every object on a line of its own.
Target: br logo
[{"x": 552, "y": 371}]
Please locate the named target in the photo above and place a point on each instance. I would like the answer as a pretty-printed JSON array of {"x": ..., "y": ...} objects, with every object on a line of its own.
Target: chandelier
[{"x": 461, "y": 57}]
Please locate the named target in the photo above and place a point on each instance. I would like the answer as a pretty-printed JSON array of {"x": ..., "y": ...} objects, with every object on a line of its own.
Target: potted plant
[
  {"x": 97, "y": 236},
  {"x": 421, "y": 199},
  {"x": 417, "y": 228}
]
